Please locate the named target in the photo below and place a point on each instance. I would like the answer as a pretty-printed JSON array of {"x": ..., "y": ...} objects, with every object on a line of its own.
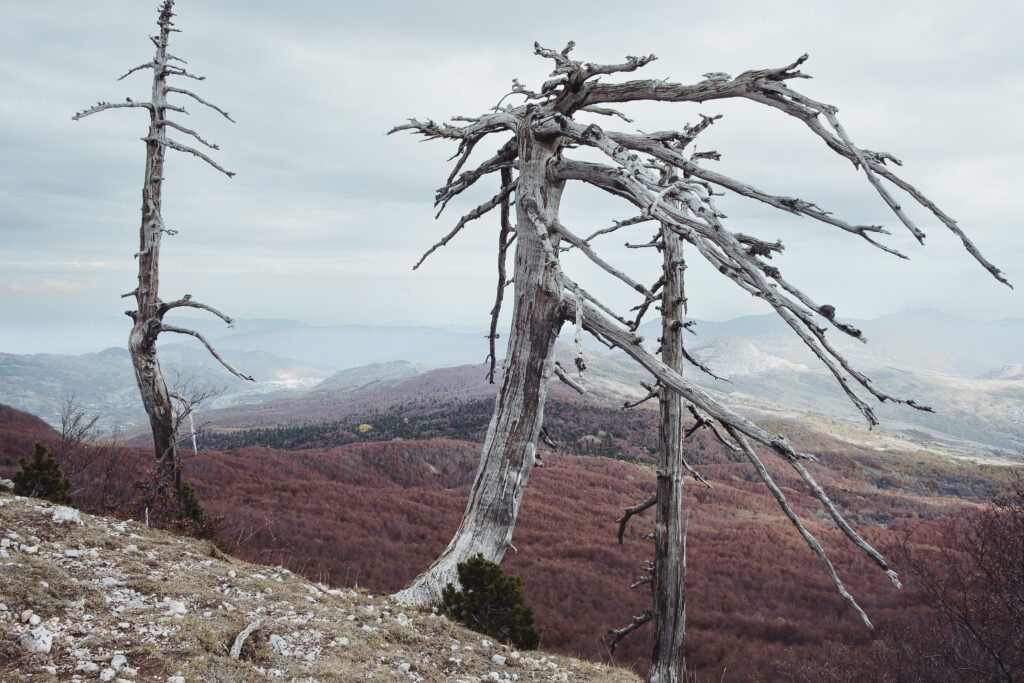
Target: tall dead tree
[
  {"x": 148, "y": 316},
  {"x": 537, "y": 141}
]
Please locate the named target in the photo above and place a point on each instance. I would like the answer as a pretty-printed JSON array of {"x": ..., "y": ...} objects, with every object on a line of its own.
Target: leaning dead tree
[
  {"x": 148, "y": 315},
  {"x": 535, "y": 161}
]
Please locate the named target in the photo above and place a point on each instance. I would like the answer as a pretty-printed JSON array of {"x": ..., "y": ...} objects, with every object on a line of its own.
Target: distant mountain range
[{"x": 971, "y": 373}]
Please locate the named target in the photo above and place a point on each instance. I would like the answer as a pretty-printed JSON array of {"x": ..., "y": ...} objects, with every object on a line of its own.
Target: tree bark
[
  {"x": 510, "y": 447},
  {"x": 147, "y": 316},
  {"x": 667, "y": 663},
  {"x": 149, "y": 309}
]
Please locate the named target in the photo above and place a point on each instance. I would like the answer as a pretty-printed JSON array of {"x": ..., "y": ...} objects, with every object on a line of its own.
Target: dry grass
[{"x": 174, "y": 605}]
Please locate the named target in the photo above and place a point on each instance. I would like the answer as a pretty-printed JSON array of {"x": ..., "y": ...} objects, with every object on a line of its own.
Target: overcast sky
[{"x": 327, "y": 214}]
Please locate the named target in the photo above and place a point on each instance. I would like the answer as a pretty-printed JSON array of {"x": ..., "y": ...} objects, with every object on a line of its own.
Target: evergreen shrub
[
  {"x": 492, "y": 603},
  {"x": 41, "y": 478}
]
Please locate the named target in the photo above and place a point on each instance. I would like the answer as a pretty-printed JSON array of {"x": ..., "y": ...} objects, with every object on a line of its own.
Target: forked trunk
[
  {"x": 669, "y": 595},
  {"x": 509, "y": 450}
]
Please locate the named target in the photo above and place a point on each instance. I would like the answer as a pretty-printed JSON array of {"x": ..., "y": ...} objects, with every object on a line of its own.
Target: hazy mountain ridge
[{"x": 970, "y": 373}]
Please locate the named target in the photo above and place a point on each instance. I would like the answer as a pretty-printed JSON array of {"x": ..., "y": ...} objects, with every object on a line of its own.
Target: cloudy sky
[{"x": 327, "y": 214}]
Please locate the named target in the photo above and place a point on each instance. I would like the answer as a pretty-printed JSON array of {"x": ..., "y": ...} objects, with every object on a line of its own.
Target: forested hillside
[{"x": 374, "y": 513}]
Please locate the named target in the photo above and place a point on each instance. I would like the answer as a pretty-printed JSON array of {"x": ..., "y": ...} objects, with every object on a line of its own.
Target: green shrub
[
  {"x": 42, "y": 478},
  {"x": 191, "y": 509},
  {"x": 491, "y": 603}
]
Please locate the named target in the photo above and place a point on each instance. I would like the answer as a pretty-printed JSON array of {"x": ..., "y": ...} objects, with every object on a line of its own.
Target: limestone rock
[
  {"x": 63, "y": 514},
  {"x": 37, "y": 640}
]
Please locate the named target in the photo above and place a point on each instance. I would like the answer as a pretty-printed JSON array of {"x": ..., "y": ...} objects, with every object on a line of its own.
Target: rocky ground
[{"x": 86, "y": 598}]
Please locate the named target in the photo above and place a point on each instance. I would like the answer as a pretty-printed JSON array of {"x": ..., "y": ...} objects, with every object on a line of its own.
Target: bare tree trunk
[
  {"x": 667, "y": 664},
  {"x": 150, "y": 310},
  {"x": 147, "y": 316},
  {"x": 509, "y": 450}
]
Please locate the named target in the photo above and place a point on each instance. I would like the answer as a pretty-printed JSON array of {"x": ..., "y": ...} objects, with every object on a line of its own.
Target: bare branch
[
  {"x": 616, "y": 225},
  {"x": 178, "y": 71},
  {"x": 601, "y": 263},
  {"x": 634, "y": 510},
  {"x": 605, "y": 111},
  {"x": 621, "y": 633},
  {"x": 808, "y": 537},
  {"x": 564, "y": 376},
  {"x": 200, "y": 100},
  {"x": 111, "y": 105},
  {"x": 189, "y": 131},
  {"x": 484, "y": 208},
  {"x": 191, "y": 150},
  {"x": 593, "y": 321},
  {"x": 140, "y": 67},
  {"x": 164, "y": 327},
  {"x": 188, "y": 302},
  {"x": 841, "y": 522},
  {"x": 502, "y": 160},
  {"x": 652, "y": 393},
  {"x": 236, "y": 647},
  {"x": 504, "y": 241}
]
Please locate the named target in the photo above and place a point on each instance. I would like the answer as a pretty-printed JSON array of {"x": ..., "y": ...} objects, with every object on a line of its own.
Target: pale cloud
[{"x": 327, "y": 214}]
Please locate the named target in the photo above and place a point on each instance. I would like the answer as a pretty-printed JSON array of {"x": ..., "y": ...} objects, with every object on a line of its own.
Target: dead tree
[
  {"x": 536, "y": 141},
  {"x": 148, "y": 316}
]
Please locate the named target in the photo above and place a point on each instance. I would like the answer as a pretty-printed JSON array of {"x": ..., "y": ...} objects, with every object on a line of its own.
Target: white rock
[
  {"x": 3, "y": 607},
  {"x": 343, "y": 641},
  {"x": 110, "y": 582},
  {"x": 37, "y": 640},
  {"x": 63, "y": 514},
  {"x": 131, "y": 546},
  {"x": 486, "y": 643},
  {"x": 5, "y": 542},
  {"x": 117, "y": 662},
  {"x": 498, "y": 659},
  {"x": 176, "y": 607},
  {"x": 6, "y": 484},
  {"x": 29, "y": 549},
  {"x": 175, "y": 679},
  {"x": 277, "y": 643},
  {"x": 71, "y": 552},
  {"x": 52, "y": 670},
  {"x": 405, "y": 666},
  {"x": 25, "y": 616},
  {"x": 34, "y": 620},
  {"x": 88, "y": 667},
  {"x": 107, "y": 675},
  {"x": 403, "y": 619},
  {"x": 232, "y": 574}
]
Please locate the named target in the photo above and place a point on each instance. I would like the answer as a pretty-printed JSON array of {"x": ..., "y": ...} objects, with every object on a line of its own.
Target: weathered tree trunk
[
  {"x": 667, "y": 664},
  {"x": 149, "y": 311},
  {"x": 147, "y": 316},
  {"x": 509, "y": 450}
]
